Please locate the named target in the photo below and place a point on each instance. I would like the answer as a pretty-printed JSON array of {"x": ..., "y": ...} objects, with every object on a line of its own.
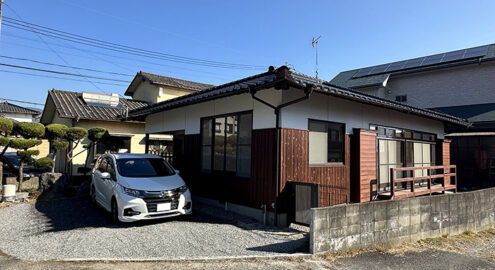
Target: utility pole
[{"x": 314, "y": 43}]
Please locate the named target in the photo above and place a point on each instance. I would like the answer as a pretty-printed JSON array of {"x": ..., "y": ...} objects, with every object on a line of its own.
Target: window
[
  {"x": 403, "y": 148},
  {"x": 326, "y": 142},
  {"x": 402, "y": 98},
  {"x": 144, "y": 167},
  {"x": 113, "y": 144},
  {"x": 226, "y": 144}
]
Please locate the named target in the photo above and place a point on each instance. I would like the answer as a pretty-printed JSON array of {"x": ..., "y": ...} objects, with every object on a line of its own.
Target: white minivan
[{"x": 138, "y": 186}]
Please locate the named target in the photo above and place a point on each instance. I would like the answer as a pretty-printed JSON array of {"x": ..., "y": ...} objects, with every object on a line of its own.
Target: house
[
  {"x": 458, "y": 83},
  {"x": 154, "y": 88},
  {"x": 284, "y": 142},
  {"x": 18, "y": 113},
  {"x": 88, "y": 110},
  {"x": 22, "y": 114}
]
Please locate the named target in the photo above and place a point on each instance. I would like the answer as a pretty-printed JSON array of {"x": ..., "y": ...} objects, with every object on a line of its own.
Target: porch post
[
  {"x": 147, "y": 143},
  {"x": 365, "y": 164}
]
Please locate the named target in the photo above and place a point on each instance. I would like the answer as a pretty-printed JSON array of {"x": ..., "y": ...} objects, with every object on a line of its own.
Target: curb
[{"x": 183, "y": 260}]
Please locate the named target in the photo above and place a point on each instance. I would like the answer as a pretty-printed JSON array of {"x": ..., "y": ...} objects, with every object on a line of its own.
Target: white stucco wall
[
  {"x": 353, "y": 114},
  {"x": 19, "y": 117},
  {"x": 319, "y": 106},
  {"x": 188, "y": 118}
]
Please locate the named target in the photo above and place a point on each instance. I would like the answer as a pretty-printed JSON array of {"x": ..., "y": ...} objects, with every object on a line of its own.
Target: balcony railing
[{"x": 417, "y": 181}]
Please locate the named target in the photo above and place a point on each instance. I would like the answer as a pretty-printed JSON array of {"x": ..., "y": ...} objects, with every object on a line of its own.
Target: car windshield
[
  {"x": 144, "y": 167},
  {"x": 16, "y": 161}
]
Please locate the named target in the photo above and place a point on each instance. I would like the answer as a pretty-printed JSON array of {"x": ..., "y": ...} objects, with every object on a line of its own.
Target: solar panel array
[{"x": 424, "y": 61}]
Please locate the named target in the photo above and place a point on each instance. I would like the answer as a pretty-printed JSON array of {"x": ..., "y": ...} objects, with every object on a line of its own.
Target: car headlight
[
  {"x": 133, "y": 192},
  {"x": 183, "y": 189}
]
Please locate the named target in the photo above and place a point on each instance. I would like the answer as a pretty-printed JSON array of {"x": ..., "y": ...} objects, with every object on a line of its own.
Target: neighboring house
[
  {"x": 460, "y": 83},
  {"x": 90, "y": 110},
  {"x": 154, "y": 88},
  {"x": 18, "y": 113},
  {"x": 282, "y": 141},
  {"x": 22, "y": 114}
]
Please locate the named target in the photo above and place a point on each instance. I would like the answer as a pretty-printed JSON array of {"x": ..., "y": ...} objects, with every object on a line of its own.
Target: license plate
[{"x": 163, "y": 207}]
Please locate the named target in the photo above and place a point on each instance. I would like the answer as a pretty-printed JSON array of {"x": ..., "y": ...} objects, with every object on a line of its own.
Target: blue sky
[{"x": 354, "y": 34}]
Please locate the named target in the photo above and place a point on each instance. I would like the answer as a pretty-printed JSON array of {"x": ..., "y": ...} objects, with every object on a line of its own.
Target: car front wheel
[{"x": 115, "y": 211}]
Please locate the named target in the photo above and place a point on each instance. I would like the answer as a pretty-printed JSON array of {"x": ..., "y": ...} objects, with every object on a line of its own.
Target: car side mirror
[{"x": 105, "y": 175}]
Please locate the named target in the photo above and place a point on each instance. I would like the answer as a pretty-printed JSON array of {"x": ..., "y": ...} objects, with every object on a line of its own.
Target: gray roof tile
[{"x": 6, "y": 107}]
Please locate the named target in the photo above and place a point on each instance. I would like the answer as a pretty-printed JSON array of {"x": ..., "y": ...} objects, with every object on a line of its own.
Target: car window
[
  {"x": 103, "y": 165},
  {"x": 111, "y": 169},
  {"x": 144, "y": 167}
]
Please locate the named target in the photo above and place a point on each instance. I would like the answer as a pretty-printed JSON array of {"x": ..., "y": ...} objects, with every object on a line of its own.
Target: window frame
[
  {"x": 329, "y": 164},
  {"x": 212, "y": 144},
  {"x": 405, "y": 139}
]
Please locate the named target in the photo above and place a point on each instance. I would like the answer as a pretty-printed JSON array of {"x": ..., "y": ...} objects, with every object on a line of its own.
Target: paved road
[{"x": 75, "y": 229}]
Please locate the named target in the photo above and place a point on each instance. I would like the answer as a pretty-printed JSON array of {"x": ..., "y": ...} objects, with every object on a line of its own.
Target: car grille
[{"x": 154, "y": 198}]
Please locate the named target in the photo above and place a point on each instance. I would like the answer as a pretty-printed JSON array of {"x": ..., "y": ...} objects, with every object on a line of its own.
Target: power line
[
  {"x": 58, "y": 65},
  {"x": 54, "y": 77},
  {"x": 22, "y": 25},
  {"x": 62, "y": 73},
  {"x": 20, "y": 101}
]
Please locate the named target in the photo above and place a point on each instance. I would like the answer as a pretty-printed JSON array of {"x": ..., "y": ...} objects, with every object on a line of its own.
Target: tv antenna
[{"x": 314, "y": 43}]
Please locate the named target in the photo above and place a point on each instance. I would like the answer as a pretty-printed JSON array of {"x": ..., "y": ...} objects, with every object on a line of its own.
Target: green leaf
[
  {"x": 29, "y": 130},
  {"x": 60, "y": 144},
  {"x": 44, "y": 162},
  {"x": 4, "y": 141},
  {"x": 6, "y": 125},
  {"x": 55, "y": 131},
  {"x": 96, "y": 133},
  {"x": 76, "y": 134},
  {"x": 24, "y": 144}
]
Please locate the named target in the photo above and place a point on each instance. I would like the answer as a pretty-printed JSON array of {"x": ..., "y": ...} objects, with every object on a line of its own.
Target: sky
[{"x": 254, "y": 34}]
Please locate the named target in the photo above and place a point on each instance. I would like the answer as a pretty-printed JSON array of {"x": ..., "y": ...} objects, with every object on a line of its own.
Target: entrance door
[
  {"x": 178, "y": 150},
  {"x": 304, "y": 197}
]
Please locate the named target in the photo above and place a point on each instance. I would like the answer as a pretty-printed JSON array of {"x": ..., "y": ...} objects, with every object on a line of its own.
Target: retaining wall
[{"x": 392, "y": 222}]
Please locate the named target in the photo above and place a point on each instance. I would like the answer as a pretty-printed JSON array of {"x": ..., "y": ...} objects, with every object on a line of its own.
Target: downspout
[{"x": 307, "y": 91}]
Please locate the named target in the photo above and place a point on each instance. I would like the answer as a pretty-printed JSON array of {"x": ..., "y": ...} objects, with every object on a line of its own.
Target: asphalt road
[{"x": 75, "y": 229}]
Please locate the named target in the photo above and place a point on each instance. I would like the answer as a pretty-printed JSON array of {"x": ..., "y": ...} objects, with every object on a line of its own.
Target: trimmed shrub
[
  {"x": 55, "y": 131},
  {"x": 60, "y": 145},
  {"x": 6, "y": 126},
  {"x": 96, "y": 133},
  {"x": 4, "y": 141},
  {"x": 44, "y": 162},
  {"x": 24, "y": 143},
  {"x": 76, "y": 134},
  {"x": 27, "y": 154},
  {"x": 29, "y": 130}
]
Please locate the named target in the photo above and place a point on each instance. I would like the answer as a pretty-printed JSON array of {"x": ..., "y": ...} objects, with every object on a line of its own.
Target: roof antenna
[{"x": 314, "y": 43}]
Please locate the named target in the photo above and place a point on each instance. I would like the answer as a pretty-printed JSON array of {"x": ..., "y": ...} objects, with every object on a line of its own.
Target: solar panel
[
  {"x": 396, "y": 66},
  {"x": 416, "y": 62},
  {"x": 424, "y": 61},
  {"x": 453, "y": 56},
  {"x": 379, "y": 69},
  {"x": 432, "y": 59},
  {"x": 476, "y": 52},
  {"x": 363, "y": 72}
]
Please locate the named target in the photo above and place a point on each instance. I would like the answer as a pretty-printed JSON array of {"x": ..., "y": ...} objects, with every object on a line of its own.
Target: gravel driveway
[{"x": 75, "y": 229}]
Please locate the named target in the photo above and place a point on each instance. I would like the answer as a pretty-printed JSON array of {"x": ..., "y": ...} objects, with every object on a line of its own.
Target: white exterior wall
[
  {"x": 353, "y": 114},
  {"x": 319, "y": 106},
  {"x": 19, "y": 117},
  {"x": 188, "y": 118},
  {"x": 464, "y": 85}
]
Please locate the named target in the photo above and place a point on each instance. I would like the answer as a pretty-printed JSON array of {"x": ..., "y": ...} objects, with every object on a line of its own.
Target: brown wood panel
[
  {"x": 253, "y": 192},
  {"x": 334, "y": 181}
]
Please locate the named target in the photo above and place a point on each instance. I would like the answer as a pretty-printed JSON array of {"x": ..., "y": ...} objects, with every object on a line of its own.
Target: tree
[
  {"x": 94, "y": 135},
  {"x": 74, "y": 136},
  {"x": 55, "y": 133},
  {"x": 6, "y": 127},
  {"x": 31, "y": 132}
]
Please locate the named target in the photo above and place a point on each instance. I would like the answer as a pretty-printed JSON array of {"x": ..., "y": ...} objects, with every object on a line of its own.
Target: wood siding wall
[
  {"x": 253, "y": 192},
  {"x": 334, "y": 181},
  {"x": 364, "y": 164}
]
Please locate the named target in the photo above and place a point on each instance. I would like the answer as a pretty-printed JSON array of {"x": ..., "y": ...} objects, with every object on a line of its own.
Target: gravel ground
[{"x": 75, "y": 229}]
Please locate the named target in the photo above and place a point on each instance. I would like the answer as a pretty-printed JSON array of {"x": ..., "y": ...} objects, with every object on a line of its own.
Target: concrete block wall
[{"x": 393, "y": 222}]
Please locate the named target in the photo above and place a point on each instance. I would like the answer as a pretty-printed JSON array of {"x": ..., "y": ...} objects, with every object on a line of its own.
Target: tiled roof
[
  {"x": 164, "y": 80},
  {"x": 346, "y": 79},
  {"x": 71, "y": 105},
  {"x": 6, "y": 107},
  {"x": 283, "y": 75},
  {"x": 473, "y": 113}
]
